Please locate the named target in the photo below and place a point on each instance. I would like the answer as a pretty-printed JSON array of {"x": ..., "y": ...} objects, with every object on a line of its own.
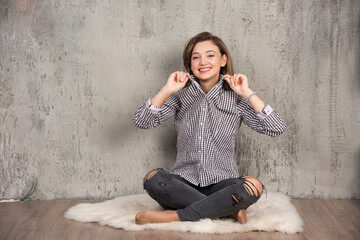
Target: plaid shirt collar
[{"x": 213, "y": 93}]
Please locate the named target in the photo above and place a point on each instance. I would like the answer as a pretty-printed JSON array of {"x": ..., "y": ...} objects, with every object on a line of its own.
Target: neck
[{"x": 207, "y": 85}]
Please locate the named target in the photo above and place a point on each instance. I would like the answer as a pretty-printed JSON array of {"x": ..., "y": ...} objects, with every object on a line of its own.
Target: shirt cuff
[
  {"x": 265, "y": 112},
  {"x": 152, "y": 108}
]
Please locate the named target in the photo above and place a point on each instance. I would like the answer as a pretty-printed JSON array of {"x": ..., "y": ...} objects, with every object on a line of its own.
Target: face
[{"x": 206, "y": 61}]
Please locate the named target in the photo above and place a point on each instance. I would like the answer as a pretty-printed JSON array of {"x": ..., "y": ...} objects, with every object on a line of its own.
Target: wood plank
[
  {"x": 324, "y": 219},
  {"x": 345, "y": 213}
]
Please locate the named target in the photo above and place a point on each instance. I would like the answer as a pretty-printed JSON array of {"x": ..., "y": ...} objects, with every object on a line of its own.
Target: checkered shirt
[{"x": 206, "y": 126}]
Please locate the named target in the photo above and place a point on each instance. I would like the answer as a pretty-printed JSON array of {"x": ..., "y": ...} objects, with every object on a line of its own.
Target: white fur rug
[{"x": 273, "y": 212}]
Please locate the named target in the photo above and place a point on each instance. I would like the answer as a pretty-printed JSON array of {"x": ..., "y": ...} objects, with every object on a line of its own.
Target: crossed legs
[{"x": 185, "y": 202}]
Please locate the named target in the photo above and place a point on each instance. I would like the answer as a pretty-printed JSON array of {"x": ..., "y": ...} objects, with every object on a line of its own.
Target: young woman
[{"x": 209, "y": 103}]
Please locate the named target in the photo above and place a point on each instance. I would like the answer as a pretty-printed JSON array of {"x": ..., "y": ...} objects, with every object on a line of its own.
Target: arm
[
  {"x": 255, "y": 114},
  {"x": 239, "y": 84},
  {"x": 163, "y": 105}
]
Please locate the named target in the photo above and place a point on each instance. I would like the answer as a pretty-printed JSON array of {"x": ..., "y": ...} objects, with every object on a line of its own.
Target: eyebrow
[{"x": 206, "y": 52}]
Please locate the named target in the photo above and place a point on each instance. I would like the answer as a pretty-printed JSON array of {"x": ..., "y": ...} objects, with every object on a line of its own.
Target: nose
[{"x": 202, "y": 61}]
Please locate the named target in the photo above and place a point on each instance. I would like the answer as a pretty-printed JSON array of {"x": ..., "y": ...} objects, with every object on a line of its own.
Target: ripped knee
[
  {"x": 150, "y": 174},
  {"x": 253, "y": 186}
]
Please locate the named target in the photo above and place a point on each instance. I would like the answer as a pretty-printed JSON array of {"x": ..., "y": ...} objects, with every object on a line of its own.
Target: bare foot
[
  {"x": 241, "y": 216},
  {"x": 156, "y": 217}
]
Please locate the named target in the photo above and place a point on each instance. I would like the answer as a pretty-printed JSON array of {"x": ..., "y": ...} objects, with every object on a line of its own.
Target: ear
[{"x": 223, "y": 60}]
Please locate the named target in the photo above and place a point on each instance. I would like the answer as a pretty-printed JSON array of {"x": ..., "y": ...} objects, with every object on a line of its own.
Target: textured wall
[{"x": 72, "y": 73}]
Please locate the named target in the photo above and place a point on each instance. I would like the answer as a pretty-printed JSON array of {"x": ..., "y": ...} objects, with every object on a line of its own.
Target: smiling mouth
[{"x": 202, "y": 70}]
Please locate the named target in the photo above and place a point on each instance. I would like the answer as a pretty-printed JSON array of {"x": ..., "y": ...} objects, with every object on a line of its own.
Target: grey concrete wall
[{"x": 72, "y": 73}]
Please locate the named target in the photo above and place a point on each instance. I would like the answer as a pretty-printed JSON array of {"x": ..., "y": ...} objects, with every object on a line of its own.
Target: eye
[
  {"x": 211, "y": 55},
  {"x": 194, "y": 58}
]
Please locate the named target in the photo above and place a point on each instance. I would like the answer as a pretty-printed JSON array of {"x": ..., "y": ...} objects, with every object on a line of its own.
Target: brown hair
[{"x": 206, "y": 36}]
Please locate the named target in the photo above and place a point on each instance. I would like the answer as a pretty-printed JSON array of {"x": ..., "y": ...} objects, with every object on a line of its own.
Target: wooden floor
[{"x": 324, "y": 219}]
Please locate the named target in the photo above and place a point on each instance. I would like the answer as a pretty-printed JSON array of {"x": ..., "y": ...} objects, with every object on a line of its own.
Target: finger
[
  {"x": 238, "y": 79},
  {"x": 172, "y": 76},
  {"x": 244, "y": 80},
  {"x": 229, "y": 77},
  {"x": 243, "y": 77},
  {"x": 233, "y": 80},
  {"x": 187, "y": 76},
  {"x": 183, "y": 75},
  {"x": 178, "y": 77}
]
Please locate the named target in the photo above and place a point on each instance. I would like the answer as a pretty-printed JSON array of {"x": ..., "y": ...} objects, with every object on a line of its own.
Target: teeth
[{"x": 204, "y": 69}]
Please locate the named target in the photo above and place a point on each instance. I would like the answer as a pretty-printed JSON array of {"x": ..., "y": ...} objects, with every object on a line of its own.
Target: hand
[
  {"x": 239, "y": 84},
  {"x": 176, "y": 81}
]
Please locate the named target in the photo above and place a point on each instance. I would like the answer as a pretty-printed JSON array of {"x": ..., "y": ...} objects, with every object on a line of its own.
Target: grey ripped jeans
[{"x": 192, "y": 202}]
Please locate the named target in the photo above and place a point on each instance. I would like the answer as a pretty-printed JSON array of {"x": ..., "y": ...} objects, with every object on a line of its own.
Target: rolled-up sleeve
[
  {"x": 267, "y": 121},
  {"x": 149, "y": 116}
]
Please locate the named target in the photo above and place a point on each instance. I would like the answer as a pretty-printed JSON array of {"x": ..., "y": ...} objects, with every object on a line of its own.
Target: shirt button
[
  {"x": 199, "y": 151},
  {"x": 199, "y": 137},
  {"x": 201, "y": 124}
]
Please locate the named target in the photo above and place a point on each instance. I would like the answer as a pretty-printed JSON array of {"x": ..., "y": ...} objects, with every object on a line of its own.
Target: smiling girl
[{"x": 209, "y": 103}]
